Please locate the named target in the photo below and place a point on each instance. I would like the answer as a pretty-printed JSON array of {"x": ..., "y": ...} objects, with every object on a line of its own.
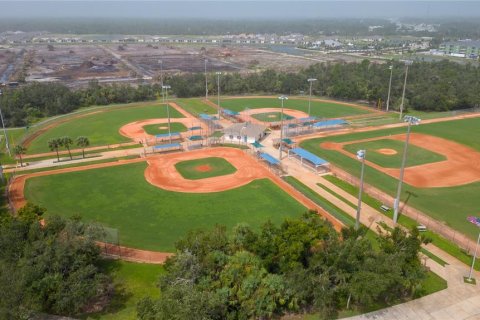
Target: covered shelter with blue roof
[
  {"x": 329, "y": 123},
  {"x": 307, "y": 158},
  {"x": 167, "y": 147}
]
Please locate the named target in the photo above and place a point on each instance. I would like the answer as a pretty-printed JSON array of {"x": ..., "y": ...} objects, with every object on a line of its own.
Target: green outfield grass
[
  {"x": 196, "y": 106},
  {"x": 271, "y": 116},
  {"x": 451, "y": 205},
  {"x": 416, "y": 155},
  {"x": 132, "y": 281},
  {"x": 329, "y": 109},
  {"x": 154, "y": 129},
  {"x": 101, "y": 128},
  {"x": 217, "y": 167},
  {"x": 148, "y": 217}
]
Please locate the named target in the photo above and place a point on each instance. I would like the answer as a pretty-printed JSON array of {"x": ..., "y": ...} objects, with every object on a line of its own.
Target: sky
[{"x": 228, "y": 9}]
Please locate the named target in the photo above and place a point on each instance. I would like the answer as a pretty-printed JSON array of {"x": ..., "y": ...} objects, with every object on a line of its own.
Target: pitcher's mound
[
  {"x": 163, "y": 127},
  {"x": 203, "y": 168},
  {"x": 271, "y": 116},
  {"x": 387, "y": 152}
]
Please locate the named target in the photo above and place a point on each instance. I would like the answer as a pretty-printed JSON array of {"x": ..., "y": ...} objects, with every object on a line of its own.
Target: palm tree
[
  {"x": 54, "y": 144},
  {"x": 19, "y": 150},
  {"x": 83, "y": 142},
  {"x": 67, "y": 142}
]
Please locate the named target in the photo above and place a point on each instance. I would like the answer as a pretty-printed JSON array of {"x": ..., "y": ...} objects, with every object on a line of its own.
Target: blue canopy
[
  {"x": 288, "y": 141},
  {"x": 257, "y": 145},
  {"x": 194, "y": 128},
  {"x": 304, "y": 154},
  {"x": 230, "y": 112},
  {"x": 166, "y": 135},
  {"x": 269, "y": 158},
  {"x": 167, "y": 146},
  {"x": 328, "y": 123},
  {"x": 307, "y": 119},
  {"x": 205, "y": 116},
  {"x": 195, "y": 138}
]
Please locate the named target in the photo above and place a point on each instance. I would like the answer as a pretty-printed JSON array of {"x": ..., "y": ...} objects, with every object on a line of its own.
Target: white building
[{"x": 246, "y": 132}]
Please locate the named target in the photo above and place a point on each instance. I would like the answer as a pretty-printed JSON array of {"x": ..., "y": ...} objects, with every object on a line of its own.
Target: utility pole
[
  {"x": 396, "y": 205},
  {"x": 165, "y": 88},
  {"x": 206, "y": 81},
  {"x": 218, "y": 93},
  {"x": 360, "y": 156},
  {"x": 7, "y": 145},
  {"x": 283, "y": 97},
  {"x": 407, "y": 63},
  {"x": 311, "y": 80},
  {"x": 389, "y": 87}
]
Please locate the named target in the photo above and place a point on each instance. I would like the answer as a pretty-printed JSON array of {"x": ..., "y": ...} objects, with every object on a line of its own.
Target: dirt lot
[{"x": 70, "y": 63}]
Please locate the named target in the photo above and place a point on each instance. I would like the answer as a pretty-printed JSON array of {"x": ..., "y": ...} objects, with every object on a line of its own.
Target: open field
[
  {"x": 440, "y": 203},
  {"x": 321, "y": 109},
  {"x": 151, "y": 218},
  {"x": 101, "y": 127},
  {"x": 388, "y": 153},
  {"x": 196, "y": 106},
  {"x": 204, "y": 168}
]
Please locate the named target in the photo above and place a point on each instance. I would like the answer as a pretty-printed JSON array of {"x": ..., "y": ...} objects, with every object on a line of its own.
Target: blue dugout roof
[
  {"x": 288, "y": 141},
  {"x": 167, "y": 146},
  {"x": 327, "y": 123},
  {"x": 230, "y": 112},
  {"x": 269, "y": 158},
  {"x": 308, "y": 155},
  {"x": 307, "y": 119},
  {"x": 257, "y": 144},
  {"x": 194, "y": 128},
  {"x": 166, "y": 135},
  {"x": 195, "y": 138},
  {"x": 205, "y": 116}
]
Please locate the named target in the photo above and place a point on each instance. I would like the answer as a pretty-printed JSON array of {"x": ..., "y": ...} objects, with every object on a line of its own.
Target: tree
[
  {"x": 54, "y": 145},
  {"x": 83, "y": 142},
  {"x": 67, "y": 142},
  {"x": 20, "y": 150}
]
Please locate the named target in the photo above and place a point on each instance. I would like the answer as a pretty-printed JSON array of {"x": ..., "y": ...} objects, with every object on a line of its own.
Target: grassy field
[
  {"x": 191, "y": 169},
  {"x": 154, "y": 129},
  {"x": 271, "y": 116},
  {"x": 441, "y": 203},
  {"x": 196, "y": 106},
  {"x": 101, "y": 128},
  {"x": 148, "y": 217},
  {"x": 416, "y": 155},
  {"x": 132, "y": 281},
  {"x": 329, "y": 109}
]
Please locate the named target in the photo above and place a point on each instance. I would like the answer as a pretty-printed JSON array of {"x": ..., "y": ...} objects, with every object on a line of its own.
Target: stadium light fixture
[
  {"x": 407, "y": 64},
  {"x": 4, "y": 130},
  {"x": 389, "y": 86},
  {"x": 311, "y": 81},
  {"x": 218, "y": 92},
  {"x": 165, "y": 90},
  {"x": 361, "y": 154},
  {"x": 206, "y": 81},
  {"x": 475, "y": 221},
  {"x": 410, "y": 120},
  {"x": 282, "y": 98}
]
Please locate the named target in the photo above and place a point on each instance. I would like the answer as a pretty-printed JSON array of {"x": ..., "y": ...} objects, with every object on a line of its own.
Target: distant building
[
  {"x": 246, "y": 132},
  {"x": 461, "y": 48}
]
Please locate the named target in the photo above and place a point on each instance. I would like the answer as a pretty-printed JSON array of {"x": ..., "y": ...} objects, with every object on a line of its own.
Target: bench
[
  {"x": 421, "y": 228},
  {"x": 384, "y": 208}
]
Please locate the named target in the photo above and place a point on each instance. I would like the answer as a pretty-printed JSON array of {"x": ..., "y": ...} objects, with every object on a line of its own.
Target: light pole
[
  {"x": 218, "y": 93},
  {"x": 206, "y": 81},
  {"x": 311, "y": 80},
  {"x": 389, "y": 86},
  {"x": 396, "y": 205},
  {"x": 4, "y": 130},
  {"x": 161, "y": 72},
  {"x": 360, "y": 156},
  {"x": 407, "y": 63},
  {"x": 283, "y": 97},
  {"x": 165, "y": 88},
  {"x": 475, "y": 221}
]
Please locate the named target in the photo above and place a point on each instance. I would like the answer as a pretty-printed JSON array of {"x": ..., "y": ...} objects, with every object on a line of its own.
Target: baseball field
[
  {"x": 319, "y": 108},
  {"x": 443, "y": 170},
  {"x": 145, "y": 202}
]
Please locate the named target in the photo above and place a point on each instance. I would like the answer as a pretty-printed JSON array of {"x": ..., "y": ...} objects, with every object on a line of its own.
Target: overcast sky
[{"x": 241, "y": 10}]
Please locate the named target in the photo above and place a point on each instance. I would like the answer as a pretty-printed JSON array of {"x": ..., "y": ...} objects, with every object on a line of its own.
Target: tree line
[
  {"x": 301, "y": 266},
  {"x": 431, "y": 86}
]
